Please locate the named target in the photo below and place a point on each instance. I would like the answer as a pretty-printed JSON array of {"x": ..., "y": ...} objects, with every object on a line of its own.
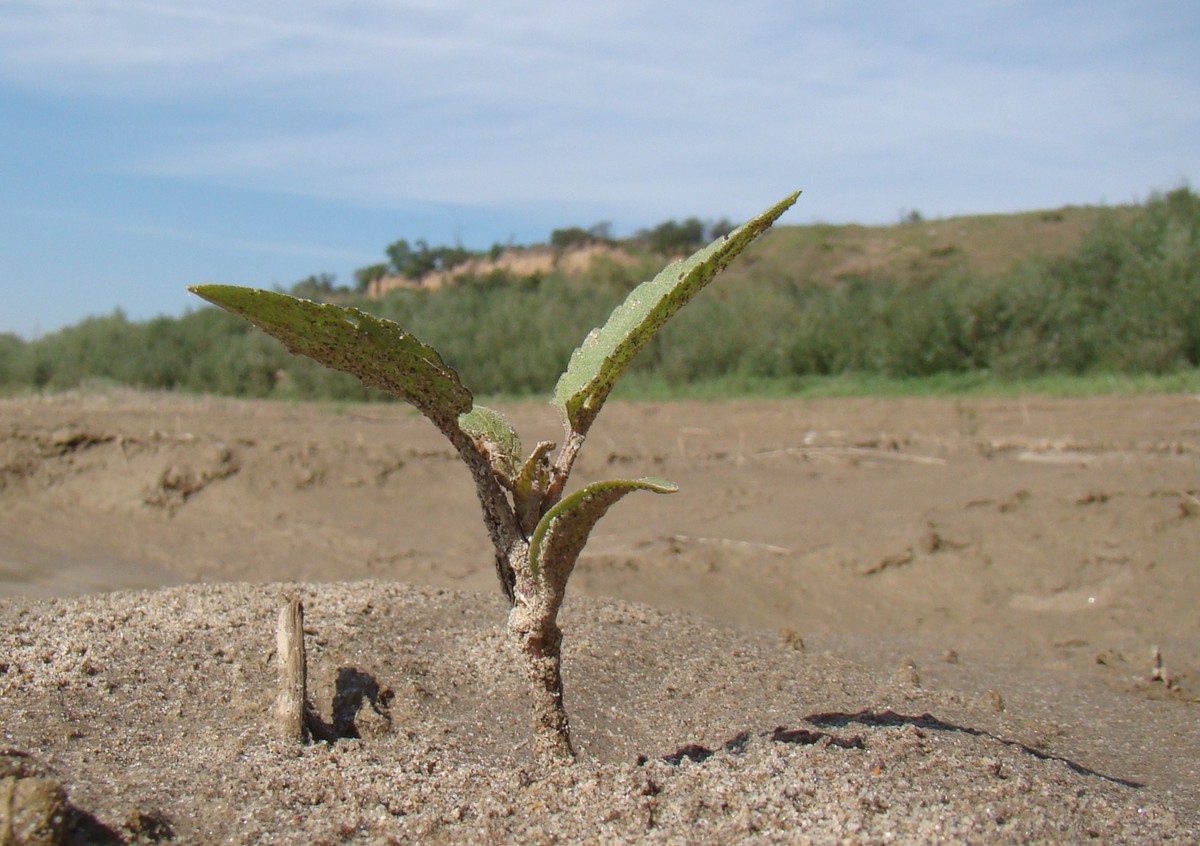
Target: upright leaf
[
  {"x": 379, "y": 352},
  {"x": 563, "y": 530},
  {"x": 605, "y": 353}
]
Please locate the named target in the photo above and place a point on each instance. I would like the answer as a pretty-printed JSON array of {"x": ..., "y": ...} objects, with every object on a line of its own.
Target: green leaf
[
  {"x": 535, "y": 472},
  {"x": 605, "y": 353},
  {"x": 564, "y": 529},
  {"x": 529, "y": 486},
  {"x": 379, "y": 352},
  {"x": 496, "y": 437}
]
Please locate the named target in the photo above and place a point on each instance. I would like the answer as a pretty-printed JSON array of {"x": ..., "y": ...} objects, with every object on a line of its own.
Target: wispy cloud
[
  {"x": 624, "y": 104},
  {"x": 122, "y": 229}
]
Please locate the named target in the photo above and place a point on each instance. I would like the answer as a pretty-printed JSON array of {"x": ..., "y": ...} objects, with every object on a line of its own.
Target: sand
[{"x": 859, "y": 621}]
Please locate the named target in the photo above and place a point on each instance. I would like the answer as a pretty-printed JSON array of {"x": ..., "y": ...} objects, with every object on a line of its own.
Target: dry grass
[{"x": 983, "y": 244}]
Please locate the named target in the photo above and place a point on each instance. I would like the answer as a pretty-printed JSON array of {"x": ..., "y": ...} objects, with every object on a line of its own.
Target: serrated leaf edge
[
  {"x": 589, "y": 393},
  {"x": 459, "y": 398}
]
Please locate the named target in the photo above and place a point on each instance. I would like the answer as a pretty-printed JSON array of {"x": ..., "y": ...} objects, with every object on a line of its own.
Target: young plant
[{"x": 537, "y": 532}]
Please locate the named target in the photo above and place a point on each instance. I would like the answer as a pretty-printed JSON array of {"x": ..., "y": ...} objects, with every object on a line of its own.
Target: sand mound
[{"x": 151, "y": 708}]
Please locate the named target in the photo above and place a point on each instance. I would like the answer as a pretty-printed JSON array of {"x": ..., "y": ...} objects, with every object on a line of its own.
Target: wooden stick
[{"x": 290, "y": 704}]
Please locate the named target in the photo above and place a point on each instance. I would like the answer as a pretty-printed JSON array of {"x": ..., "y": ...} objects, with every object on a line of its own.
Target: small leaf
[
  {"x": 530, "y": 483},
  {"x": 499, "y": 440},
  {"x": 605, "y": 353},
  {"x": 535, "y": 470},
  {"x": 566, "y": 526},
  {"x": 379, "y": 352}
]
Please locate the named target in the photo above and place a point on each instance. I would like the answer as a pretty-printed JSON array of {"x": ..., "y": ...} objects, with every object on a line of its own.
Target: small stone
[
  {"x": 931, "y": 541},
  {"x": 149, "y": 825},
  {"x": 68, "y": 437},
  {"x": 990, "y": 700},
  {"x": 790, "y": 638},
  {"x": 906, "y": 674},
  {"x": 33, "y": 811}
]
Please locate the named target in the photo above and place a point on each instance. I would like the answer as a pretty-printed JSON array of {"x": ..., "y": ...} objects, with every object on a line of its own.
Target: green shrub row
[{"x": 1127, "y": 301}]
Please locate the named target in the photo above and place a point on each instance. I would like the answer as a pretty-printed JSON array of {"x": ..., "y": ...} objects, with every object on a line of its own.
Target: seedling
[{"x": 537, "y": 532}]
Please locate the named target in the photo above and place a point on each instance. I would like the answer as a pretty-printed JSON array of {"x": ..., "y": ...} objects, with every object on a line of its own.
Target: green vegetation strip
[{"x": 1121, "y": 312}]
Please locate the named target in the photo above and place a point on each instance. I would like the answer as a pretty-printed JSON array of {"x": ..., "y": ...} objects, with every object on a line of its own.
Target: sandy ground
[{"x": 888, "y": 620}]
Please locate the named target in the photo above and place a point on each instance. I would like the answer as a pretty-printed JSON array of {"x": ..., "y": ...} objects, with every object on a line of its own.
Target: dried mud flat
[{"x": 860, "y": 621}]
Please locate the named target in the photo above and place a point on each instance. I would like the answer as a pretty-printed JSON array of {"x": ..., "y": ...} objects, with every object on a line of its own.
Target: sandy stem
[
  {"x": 540, "y": 651},
  {"x": 503, "y": 526},
  {"x": 533, "y": 627}
]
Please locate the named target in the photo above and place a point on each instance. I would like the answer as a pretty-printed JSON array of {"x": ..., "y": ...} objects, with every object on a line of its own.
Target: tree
[
  {"x": 672, "y": 237},
  {"x": 364, "y": 276},
  {"x": 571, "y": 236},
  {"x": 315, "y": 287}
]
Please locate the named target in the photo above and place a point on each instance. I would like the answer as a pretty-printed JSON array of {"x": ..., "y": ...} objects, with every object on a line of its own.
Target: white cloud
[{"x": 657, "y": 105}]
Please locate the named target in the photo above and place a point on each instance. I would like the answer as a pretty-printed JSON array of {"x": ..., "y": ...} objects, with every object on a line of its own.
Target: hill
[
  {"x": 519, "y": 262},
  {"x": 919, "y": 250},
  {"x": 822, "y": 253}
]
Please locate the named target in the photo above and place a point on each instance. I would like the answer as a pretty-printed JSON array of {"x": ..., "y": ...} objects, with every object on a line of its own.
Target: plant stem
[
  {"x": 504, "y": 528},
  {"x": 562, "y": 468},
  {"x": 532, "y": 620},
  {"x": 540, "y": 651},
  {"x": 533, "y": 626}
]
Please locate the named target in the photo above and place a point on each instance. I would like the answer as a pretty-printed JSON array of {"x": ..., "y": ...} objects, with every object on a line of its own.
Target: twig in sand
[
  {"x": 1159, "y": 672},
  {"x": 742, "y": 544},
  {"x": 290, "y": 704},
  {"x": 889, "y": 454}
]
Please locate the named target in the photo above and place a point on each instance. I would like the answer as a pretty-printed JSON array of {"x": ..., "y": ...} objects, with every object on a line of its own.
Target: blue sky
[{"x": 151, "y": 144}]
